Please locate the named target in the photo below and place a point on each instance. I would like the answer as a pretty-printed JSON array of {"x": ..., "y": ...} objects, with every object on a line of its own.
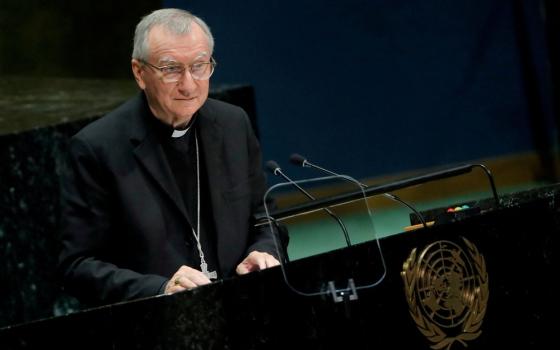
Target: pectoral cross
[{"x": 210, "y": 274}]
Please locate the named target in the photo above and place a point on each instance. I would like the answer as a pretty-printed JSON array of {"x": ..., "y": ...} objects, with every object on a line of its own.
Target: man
[{"x": 158, "y": 195}]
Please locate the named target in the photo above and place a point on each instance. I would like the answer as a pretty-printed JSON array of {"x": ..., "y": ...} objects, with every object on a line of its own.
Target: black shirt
[{"x": 181, "y": 155}]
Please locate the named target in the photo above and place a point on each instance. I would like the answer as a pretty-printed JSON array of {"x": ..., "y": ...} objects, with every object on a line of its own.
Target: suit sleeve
[{"x": 88, "y": 230}]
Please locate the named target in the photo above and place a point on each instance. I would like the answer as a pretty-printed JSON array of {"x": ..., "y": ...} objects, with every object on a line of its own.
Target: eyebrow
[
  {"x": 203, "y": 53},
  {"x": 170, "y": 61}
]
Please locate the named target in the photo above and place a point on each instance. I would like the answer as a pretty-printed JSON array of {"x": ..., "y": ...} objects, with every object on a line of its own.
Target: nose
[{"x": 187, "y": 82}]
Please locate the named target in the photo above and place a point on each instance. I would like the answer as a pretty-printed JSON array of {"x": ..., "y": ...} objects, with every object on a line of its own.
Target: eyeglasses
[{"x": 173, "y": 72}]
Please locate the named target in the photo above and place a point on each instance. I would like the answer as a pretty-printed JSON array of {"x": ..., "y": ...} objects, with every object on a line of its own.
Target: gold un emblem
[{"x": 446, "y": 287}]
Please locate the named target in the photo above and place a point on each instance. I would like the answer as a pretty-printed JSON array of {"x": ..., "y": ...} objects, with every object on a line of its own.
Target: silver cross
[{"x": 209, "y": 274}]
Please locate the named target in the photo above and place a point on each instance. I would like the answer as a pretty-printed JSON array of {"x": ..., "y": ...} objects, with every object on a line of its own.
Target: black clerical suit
[{"x": 125, "y": 226}]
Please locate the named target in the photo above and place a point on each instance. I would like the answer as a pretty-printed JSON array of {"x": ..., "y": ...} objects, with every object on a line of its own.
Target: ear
[{"x": 137, "y": 71}]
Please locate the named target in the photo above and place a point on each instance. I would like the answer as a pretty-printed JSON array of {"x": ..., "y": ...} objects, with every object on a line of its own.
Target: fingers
[
  {"x": 271, "y": 261},
  {"x": 256, "y": 261},
  {"x": 242, "y": 269},
  {"x": 185, "y": 278}
]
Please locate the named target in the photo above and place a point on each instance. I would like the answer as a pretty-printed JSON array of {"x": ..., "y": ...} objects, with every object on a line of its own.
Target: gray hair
[{"x": 174, "y": 20}]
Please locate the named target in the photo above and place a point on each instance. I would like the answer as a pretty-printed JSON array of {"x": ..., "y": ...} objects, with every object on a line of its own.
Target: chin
[
  {"x": 189, "y": 112},
  {"x": 179, "y": 120}
]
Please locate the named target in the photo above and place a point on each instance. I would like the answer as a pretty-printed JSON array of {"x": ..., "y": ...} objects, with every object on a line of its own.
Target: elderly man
[{"x": 158, "y": 195}]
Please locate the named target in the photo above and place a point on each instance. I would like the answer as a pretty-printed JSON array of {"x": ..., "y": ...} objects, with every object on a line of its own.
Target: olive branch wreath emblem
[{"x": 477, "y": 300}]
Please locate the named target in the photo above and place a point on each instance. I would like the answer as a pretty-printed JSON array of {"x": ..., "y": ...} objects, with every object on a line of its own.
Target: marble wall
[{"x": 29, "y": 223}]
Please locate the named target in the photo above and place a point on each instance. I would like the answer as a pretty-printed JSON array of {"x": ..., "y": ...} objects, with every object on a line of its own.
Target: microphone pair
[{"x": 299, "y": 160}]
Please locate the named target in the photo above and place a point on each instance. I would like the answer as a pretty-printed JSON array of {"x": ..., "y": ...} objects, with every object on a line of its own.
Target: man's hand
[
  {"x": 256, "y": 261},
  {"x": 185, "y": 278}
]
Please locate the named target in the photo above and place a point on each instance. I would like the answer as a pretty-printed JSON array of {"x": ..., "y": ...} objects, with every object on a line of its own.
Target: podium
[{"x": 513, "y": 303}]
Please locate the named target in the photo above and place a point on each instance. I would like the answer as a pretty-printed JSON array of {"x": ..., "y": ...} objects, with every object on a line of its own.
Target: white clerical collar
[{"x": 179, "y": 133}]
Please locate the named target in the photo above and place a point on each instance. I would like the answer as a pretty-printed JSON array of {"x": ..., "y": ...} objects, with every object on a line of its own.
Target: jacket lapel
[{"x": 211, "y": 138}]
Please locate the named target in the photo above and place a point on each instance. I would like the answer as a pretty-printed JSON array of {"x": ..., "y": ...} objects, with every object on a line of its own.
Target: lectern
[{"x": 483, "y": 281}]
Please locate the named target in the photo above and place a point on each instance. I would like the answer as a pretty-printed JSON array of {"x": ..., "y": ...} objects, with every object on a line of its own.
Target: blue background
[{"x": 377, "y": 87}]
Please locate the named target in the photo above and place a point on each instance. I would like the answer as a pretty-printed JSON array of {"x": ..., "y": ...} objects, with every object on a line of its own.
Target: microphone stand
[
  {"x": 276, "y": 170},
  {"x": 299, "y": 160}
]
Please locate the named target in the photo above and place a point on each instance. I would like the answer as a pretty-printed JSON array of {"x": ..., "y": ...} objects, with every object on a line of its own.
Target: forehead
[{"x": 163, "y": 43}]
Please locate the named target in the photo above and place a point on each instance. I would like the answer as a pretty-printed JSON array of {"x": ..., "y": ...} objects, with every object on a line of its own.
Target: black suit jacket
[{"x": 121, "y": 206}]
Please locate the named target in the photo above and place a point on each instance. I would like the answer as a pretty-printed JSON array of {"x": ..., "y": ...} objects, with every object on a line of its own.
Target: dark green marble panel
[{"x": 33, "y": 102}]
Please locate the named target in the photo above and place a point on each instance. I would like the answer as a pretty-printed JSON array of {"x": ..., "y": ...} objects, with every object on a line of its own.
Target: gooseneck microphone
[
  {"x": 275, "y": 169},
  {"x": 299, "y": 160}
]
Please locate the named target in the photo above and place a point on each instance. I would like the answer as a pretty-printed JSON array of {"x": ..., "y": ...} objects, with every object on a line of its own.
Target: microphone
[
  {"x": 275, "y": 169},
  {"x": 299, "y": 160}
]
